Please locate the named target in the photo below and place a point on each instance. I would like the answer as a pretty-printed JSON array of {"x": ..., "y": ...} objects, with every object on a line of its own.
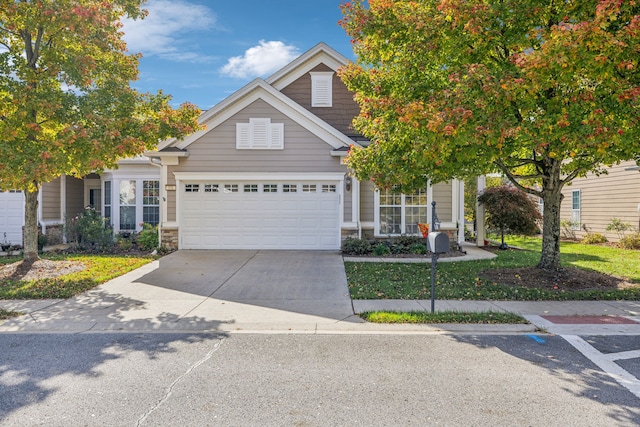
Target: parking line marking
[{"x": 606, "y": 363}]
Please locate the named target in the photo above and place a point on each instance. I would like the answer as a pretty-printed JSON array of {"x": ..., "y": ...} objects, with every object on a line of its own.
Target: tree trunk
[
  {"x": 552, "y": 198},
  {"x": 31, "y": 226}
]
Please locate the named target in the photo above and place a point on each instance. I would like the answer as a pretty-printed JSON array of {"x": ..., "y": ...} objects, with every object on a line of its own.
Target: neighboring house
[
  {"x": 594, "y": 200},
  {"x": 268, "y": 172},
  {"x": 11, "y": 217}
]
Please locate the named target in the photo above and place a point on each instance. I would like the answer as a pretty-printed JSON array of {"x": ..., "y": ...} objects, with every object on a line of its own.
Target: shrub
[
  {"x": 148, "y": 237},
  {"x": 89, "y": 230},
  {"x": 619, "y": 227},
  {"x": 593, "y": 238},
  {"x": 381, "y": 249},
  {"x": 418, "y": 249},
  {"x": 510, "y": 210},
  {"x": 567, "y": 229},
  {"x": 630, "y": 242},
  {"x": 353, "y": 246}
]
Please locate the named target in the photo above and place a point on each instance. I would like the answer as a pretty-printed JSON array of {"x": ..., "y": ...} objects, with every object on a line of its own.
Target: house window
[
  {"x": 107, "y": 199},
  {"x": 191, "y": 188},
  {"x": 231, "y": 188},
  {"x": 289, "y": 188},
  {"x": 151, "y": 202},
  {"x": 211, "y": 188},
  {"x": 251, "y": 188},
  {"x": 321, "y": 89},
  {"x": 400, "y": 213},
  {"x": 260, "y": 134},
  {"x": 328, "y": 188},
  {"x": 308, "y": 188},
  {"x": 128, "y": 205},
  {"x": 575, "y": 210},
  {"x": 270, "y": 188}
]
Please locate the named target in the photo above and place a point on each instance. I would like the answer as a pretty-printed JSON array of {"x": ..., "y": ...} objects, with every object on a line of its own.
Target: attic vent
[
  {"x": 321, "y": 88},
  {"x": 260, "y": 134}
]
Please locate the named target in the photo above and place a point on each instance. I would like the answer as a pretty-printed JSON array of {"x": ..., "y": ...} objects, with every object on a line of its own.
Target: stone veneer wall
[{"x": 170, "y": 238}]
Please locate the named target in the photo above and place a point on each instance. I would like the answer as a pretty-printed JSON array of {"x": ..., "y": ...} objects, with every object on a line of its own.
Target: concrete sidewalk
[{"x": 89, "y": 314}]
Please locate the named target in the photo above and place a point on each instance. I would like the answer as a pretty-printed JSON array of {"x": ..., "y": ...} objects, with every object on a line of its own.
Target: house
[
  {"x": 127, "y": 196},
  {"x": 269, "y": 171},
  {"x": 593, "y": 201}
]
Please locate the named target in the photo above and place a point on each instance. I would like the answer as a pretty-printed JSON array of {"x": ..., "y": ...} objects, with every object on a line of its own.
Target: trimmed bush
[
  {"x": 148, "y": 237},
  {"x": 418, "y": 249},
  {"x": 630, "y": 242},
  {"x": 593, "y": 238},
  {"x": 352, "y": 246},
  {"x": 381, "y": 249},
  {"x": 90, "y": 231}
]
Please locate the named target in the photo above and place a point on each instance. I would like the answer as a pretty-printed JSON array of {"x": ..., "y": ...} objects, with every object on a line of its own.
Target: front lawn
[
  {"x": 97, "y": 270},
  {"x": 462, "y": 279}
]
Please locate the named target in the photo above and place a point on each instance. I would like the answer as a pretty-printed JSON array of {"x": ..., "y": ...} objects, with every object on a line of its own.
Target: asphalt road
[{"x": 306, "y": 380}]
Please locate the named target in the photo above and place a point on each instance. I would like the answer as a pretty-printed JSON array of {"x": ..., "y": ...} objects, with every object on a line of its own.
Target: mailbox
[{"x": 438, "y": 242}]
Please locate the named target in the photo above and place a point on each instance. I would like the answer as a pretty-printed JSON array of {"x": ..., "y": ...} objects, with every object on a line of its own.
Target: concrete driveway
[{"x": 208, "y": 291}]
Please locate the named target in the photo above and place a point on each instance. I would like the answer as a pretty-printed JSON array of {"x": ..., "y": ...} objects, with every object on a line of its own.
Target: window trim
[{"x": 576, "y": 221}]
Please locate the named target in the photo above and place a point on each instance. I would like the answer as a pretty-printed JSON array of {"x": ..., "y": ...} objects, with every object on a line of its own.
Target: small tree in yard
[
  {"x": 541, "y": 91},
  {"x": 511, "y": 210},
  {"x": 66, "y": 104}
]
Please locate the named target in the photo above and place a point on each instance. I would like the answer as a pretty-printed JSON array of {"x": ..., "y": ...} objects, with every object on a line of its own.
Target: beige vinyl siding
[
  {"x": 343, "y": 108},
  {"x": 367, "y": 197},
  {"x": 442, "y": 197},
  {"x": 75, "y": 196},
  {"x": 51, "y": 200},
  {"x": 216, "y": 150},
  {"x": 615, "y": 195}
]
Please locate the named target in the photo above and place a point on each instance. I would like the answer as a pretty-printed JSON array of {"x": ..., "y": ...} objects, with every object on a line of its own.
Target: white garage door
[
  {"x": 11, "y": 216},
  {"x": 259, "y": 215}
]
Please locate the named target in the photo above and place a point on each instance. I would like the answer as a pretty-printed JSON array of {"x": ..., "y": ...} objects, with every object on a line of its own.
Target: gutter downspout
[{"x": 158, "y": 165}]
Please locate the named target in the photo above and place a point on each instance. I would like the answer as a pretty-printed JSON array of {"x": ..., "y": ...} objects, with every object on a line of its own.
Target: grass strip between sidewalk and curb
[
  {"x": 484, "y": 317},
  {"x": 98, "y": 269}
]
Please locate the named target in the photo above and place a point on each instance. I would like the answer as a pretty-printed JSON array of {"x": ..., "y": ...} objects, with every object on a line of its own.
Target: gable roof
[
  {"x": 269, "y": 91},
  {"x": 319, "y": 54}
]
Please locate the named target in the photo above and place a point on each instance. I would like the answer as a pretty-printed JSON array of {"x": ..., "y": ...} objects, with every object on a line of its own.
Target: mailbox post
[{"x": 438, "y": 244}]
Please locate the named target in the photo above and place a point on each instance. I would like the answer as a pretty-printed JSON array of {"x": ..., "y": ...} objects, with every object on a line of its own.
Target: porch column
[{"x": 480, "y": 232}]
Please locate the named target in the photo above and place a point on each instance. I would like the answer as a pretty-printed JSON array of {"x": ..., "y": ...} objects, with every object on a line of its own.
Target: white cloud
[
  {"x": 260, "y": 60},
  {"x": 166, "y": 32}
]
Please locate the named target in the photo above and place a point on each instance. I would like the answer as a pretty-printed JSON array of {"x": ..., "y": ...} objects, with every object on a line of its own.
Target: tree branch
[{"x": 514, "y": 179}]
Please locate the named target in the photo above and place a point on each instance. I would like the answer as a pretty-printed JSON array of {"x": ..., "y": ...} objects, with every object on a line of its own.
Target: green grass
[
  {"x": 460, "y": 280},
  {"x": 486, "y": 317},
  {"x": 99, "y": 269}
]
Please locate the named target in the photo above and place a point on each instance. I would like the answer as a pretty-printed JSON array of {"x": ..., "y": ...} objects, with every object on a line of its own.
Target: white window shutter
[
  {"x": 321, "y": 89},
  {"x": 243, "y": 139},
  {"x": 259, "y": 132},
  {"x": 276, "y": 136}
]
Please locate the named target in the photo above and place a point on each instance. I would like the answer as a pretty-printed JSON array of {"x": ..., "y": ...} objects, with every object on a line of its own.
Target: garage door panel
[{"x": 275, "y": 220}]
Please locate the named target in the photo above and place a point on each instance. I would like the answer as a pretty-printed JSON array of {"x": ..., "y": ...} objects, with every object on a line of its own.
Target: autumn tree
[
  {"x": 66, "y": 104},
  {"x": 510, "y": 210},
  {"x": 541, "y": 91}
]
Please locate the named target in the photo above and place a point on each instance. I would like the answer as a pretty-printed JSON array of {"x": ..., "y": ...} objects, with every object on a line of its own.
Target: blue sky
[{"x": 203, "y": 51}]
